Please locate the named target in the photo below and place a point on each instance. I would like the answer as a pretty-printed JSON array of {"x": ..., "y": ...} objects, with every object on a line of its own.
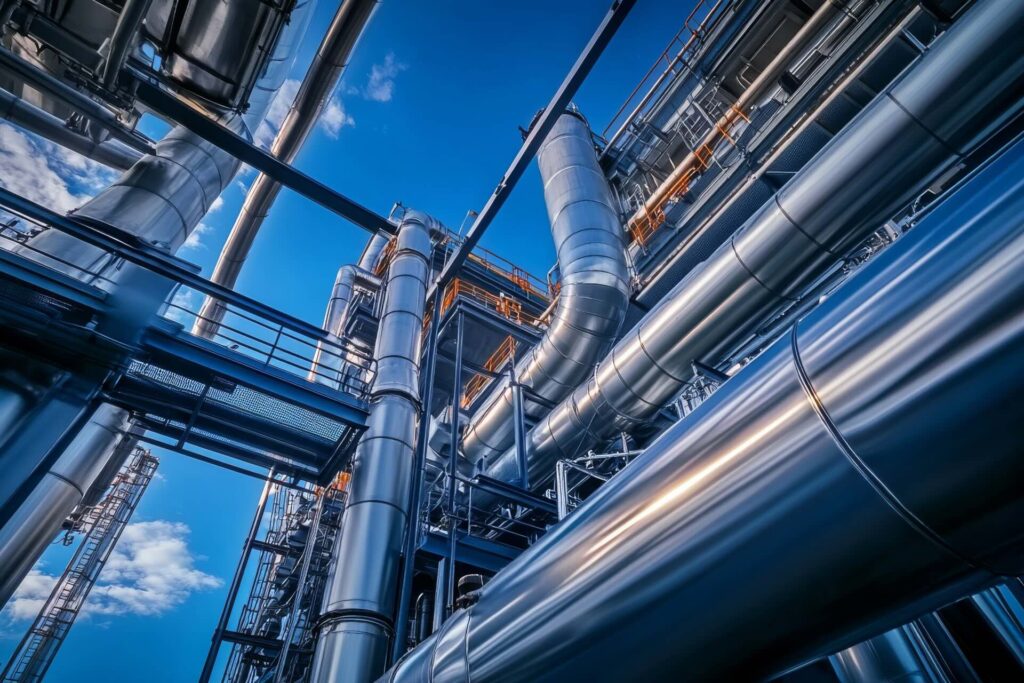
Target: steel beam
[
  {"x": 542, "y": 126},
  {"x": 167, "y": 104}
]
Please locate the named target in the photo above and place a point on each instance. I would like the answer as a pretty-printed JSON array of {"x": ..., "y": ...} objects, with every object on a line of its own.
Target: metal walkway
[{"x": 252, "y": 393}]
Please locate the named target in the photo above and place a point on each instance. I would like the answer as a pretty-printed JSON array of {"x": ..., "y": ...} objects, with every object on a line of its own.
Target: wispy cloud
[
  {"x": 381, "y": 85},
  {"x": 151, "y": 572},
  {"x": 334, "y": 118}
]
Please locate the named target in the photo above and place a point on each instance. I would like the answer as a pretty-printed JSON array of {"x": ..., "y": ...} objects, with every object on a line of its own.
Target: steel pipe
[
  {"x": 24, "y": 538},
  {"x": 838, "y": 486},
  {"x": 113, "y": 153},
  {"x": 967, "y": 85},
  {"x": 359, "y": 600},
  {"x": 316, "y": 89},
  {"x": 593, "y": 298}
]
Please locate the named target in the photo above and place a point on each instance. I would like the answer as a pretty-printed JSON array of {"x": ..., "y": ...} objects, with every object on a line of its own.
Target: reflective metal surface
[
  {"x": 359, "y": 600},
  {"x": 317, "y": 87},
  {"x": 594, "y": 287},
  {"x": 24, "y": 538},
  {"x": 753, "y": 536},
  {"x": 113, "y": 153},
  {"x": 897, "y": 656},
  {"x": 865, "y": 174}
]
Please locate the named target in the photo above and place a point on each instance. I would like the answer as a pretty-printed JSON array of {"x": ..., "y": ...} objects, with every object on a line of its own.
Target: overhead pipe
[
  {"x": 121, "y": 41},
  {"x": 113, "y": 153},
  {"x": 901, "y": 655},
  {"x": 966, "y": 86},
  {"x": 820, "y": 497},
  {"x": 316, "y": 89},
  {"x": 594, "y": 294},
  {"x": 355, "y": 623},
  {"x": 828, "y": 11}
]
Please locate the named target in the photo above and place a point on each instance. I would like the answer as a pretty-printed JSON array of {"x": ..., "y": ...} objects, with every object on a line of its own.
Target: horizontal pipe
[
  {"x": 863, "y": 471},
  {"x": 968, "y": 84},
  {"x": 112, "y": 153}
]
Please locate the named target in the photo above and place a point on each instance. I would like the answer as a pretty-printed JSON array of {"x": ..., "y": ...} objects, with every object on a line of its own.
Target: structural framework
[{"x": 762, "y": 419}]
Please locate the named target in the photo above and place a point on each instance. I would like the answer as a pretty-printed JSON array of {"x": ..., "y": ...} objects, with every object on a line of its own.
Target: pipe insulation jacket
[
  {"x": 359, "y": 601},
  {"x": 594, "y": 290},
  {"x": 863, "y": 471},
  {"x": 965, "y": 86}
]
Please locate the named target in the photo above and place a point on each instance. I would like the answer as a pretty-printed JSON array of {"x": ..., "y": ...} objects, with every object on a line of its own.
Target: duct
[
  {"x": 359, "y": 600},
  {"x": 838, "y": 486},
  {"x": 594, "y": 295},
  {"x": 160, "y": 200},
  {"x": 827, "y": 12},
  {"x": 32, "y": 528},
  {"x": 965, "y": 86},
  {"x": 112, "y": 153},
  {"x": 317, "y": 86}
]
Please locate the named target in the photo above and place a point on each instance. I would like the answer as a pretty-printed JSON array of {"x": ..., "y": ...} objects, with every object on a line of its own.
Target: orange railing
[
  {"x": 645, "y": 225},
  {"x": 494, "y": 363},
  {"x": 505, "y": 306},
  {"x": 386, "y": 257}
]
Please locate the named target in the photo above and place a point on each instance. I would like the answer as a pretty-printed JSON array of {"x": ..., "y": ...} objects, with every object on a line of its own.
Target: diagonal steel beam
[
  {"x": 166, "y": 104},
  {"x": 584, "y": 63}
]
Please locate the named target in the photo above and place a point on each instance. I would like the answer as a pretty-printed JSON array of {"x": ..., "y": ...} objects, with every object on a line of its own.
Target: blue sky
[{"x": 427, "y": 114}]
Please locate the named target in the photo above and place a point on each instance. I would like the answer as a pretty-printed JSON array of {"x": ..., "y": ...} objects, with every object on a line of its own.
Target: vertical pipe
[
  {"x": 236, "y": 581},
  {"x": 518, "y": 426},
  {"x": 359, "y": 602},
  {"x": 415, "y": 497}
]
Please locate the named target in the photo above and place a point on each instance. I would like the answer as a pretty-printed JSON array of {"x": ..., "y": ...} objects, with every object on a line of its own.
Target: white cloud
[
  {"x": 194, "y": 241},
  {"x": 381, "y": 86},
  {"x": 46, "y": 173},
  {"x": 30, "y": 596},
  {"x": 335, "y": 118},
  {"x": 217, "y": 205},
  {"x": 150, "y": 572}
]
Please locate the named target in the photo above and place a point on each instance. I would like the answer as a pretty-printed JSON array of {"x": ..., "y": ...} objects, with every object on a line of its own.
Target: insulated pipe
[
  {"x": 113, "y": 153},
  {"x": 359, "y": 600},
  {"x": 24, "y": 538},
  {"x": 160, "y": 200},
  {"x": 328, "y": 362},
  {"x": 594, "y": 295},
  {"x": 965, "y": 86},
  {"x": 767, "y": 79},
  {"x": 321, "y": 78},
  {"x": 863, "y": 471}
]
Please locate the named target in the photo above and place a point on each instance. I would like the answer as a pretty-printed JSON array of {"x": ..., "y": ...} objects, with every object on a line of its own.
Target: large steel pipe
[
  {"x": 594, "y": 293},
  {"x": 360, "y": 598},
  {"x": 965, "y": 86},
  {"x": 24, "y": 538},
  {"x": 864, "y": 470},
  {"x": 317, "y": 87}
]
